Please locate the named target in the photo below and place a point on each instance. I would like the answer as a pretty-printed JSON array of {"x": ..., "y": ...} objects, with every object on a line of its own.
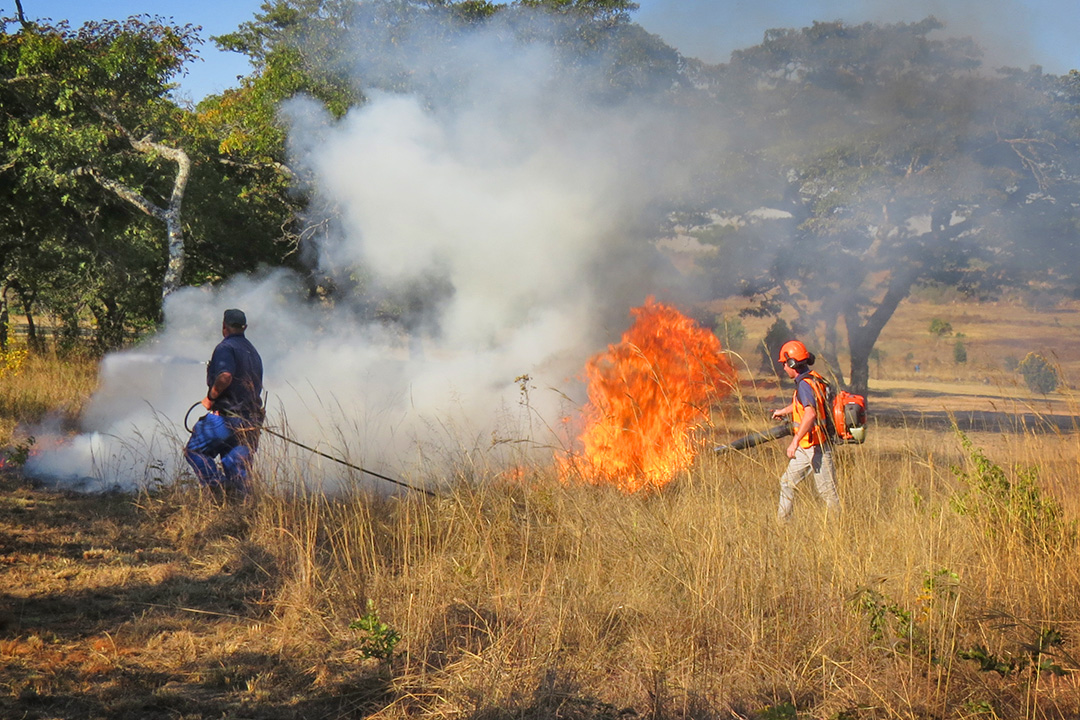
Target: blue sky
[{"x": 1012, "y": 32}]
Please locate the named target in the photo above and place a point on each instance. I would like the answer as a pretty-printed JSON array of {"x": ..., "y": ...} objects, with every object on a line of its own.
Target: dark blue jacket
[{"x": 238, "y": 357}]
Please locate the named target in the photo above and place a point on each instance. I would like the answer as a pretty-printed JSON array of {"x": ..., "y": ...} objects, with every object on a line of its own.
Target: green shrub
[
  {"x": 1037, "y": 656},
  {"x": 783, "y": 711},
  {"x": 959, "y": 352},
  {"x": 1004, "y": 506},
  {"x": 1039, "y": 374},
  {"x": 18, "y": 455},
  {"x": 940, "y": 327},
  {"x": 916, "y": 629},
  {"x": 777, "y": 334},
  {"x": 377, "y": 639}
]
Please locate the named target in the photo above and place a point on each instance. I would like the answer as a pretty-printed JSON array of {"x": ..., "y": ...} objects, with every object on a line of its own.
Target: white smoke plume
[{"x": 500, "y": 179}]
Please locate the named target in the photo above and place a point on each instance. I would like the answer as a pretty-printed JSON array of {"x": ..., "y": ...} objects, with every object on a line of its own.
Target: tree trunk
[
  {"x": 67, "y": 338},
  {"x": 110, "y": 325},
  {"x": 4, "y": 319},
  {"x": 170, "y": 216},
  {"x": 33, "y": 342},
  {"x": 174, "y": 270},
  {"x": 861, "y": 337}
]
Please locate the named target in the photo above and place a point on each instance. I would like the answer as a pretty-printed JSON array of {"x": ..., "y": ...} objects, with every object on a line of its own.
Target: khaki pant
[{"x": 814, "y": 459}]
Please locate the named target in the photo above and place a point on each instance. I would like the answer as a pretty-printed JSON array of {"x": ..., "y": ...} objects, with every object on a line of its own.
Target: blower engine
[{"x": 849, "y": 417}]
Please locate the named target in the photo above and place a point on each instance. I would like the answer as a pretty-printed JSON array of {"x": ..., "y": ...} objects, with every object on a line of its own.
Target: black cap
[{"x": 235, "y": 318}]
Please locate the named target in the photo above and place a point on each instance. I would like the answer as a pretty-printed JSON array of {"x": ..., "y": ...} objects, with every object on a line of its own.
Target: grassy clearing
[
  {"x": 945, "y": 589},
  {"x": 515, "y": 598},
  {"x": 996, "y": 335},
  {"x": 34, "y": 388}
]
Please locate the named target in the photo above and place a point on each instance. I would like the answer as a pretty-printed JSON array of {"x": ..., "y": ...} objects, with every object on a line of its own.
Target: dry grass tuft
[{"x": 43, "y": 386}]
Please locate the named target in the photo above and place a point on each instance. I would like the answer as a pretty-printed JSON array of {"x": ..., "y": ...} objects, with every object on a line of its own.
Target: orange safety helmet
[{"x": 794, "y": 353}]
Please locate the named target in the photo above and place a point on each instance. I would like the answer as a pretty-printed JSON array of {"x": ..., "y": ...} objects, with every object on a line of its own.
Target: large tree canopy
[
  {"x": 339, "y": 51},
  {"x": 87, "y": 108},
  {"x": 118, "y": 196},
  {"x": 895, "y": 159}
]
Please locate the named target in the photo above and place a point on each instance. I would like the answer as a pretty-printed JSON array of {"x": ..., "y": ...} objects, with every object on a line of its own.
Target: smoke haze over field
[
  {"x": 498, "y": 194},
  {"x": 1011, "y": 32},
  {"x": 498, "y": 207},
  {"x": 1015, "y": 32}
]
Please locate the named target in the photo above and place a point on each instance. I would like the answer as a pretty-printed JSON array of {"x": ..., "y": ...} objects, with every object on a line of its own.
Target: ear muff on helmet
[
  {"x": 793, "y": 363},
  {"x": 794, "y": 353}
]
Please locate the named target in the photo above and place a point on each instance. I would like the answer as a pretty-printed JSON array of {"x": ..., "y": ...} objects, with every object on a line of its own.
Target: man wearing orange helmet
[{"x": 811, "y": 448}]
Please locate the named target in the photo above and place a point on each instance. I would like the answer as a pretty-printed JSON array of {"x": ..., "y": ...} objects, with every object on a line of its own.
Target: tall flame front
[{"x": 649, "y": 395}]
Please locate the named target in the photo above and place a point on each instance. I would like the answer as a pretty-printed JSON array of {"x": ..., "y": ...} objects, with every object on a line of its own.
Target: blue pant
[{"x": 215, "y": 436}]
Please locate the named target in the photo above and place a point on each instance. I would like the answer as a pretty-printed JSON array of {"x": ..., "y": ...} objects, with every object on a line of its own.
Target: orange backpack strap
[
  {"x": 820, "y": 433},
  {"x": 823, "y": 407}
]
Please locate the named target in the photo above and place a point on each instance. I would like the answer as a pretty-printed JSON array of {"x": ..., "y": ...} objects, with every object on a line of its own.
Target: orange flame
[{"x": 649, "y": 394}]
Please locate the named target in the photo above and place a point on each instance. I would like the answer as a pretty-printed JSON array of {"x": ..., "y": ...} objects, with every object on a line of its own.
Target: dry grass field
[
  {"x": 995, "y": 337},
  {"x": 946, "y": 588}
]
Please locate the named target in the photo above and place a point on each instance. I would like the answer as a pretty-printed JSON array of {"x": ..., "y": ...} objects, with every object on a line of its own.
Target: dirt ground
[{"x": 110, "y": 608}]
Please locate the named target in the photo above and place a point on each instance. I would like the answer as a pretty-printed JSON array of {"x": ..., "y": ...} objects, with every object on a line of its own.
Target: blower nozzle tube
[{"x": 757, "y": 438}]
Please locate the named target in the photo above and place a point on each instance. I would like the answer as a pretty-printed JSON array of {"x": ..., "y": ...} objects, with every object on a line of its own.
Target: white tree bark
[{"x": 169, "y": 215}]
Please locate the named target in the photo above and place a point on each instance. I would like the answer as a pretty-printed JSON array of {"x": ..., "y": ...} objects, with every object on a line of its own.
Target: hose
[{"x": 320, "y": 453}]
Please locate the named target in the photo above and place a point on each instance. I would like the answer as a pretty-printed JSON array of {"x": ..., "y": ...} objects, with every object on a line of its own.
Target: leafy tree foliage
[
  {"x": 895, "y": 159},
  {"x": 860, "y": 160},
  {"x": 1039, "y": 373},
  {"x": 97, "y": 165},
  {"x": 314, "y": 47},
  {"x": 604, "y": 11},
  {"x": 81, "y": 110},
  {"x": 97, "y": 157}
]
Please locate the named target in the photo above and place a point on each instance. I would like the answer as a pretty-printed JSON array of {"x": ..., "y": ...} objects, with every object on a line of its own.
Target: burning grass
[{"x": 650, "y": 396}]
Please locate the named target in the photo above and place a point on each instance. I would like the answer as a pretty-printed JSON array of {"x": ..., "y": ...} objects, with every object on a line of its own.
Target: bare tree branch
[
  {"x": 273, "y": 165},
  {"x": 25, "y": 78},
  {"x": 170, "y": 215},
  {"x": 22, "y": 15},
  {"x": 122, "y": 191}
]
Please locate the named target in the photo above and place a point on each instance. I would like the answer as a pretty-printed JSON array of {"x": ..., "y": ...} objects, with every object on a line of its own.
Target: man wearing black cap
[{"x": 234, "y": 399}]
